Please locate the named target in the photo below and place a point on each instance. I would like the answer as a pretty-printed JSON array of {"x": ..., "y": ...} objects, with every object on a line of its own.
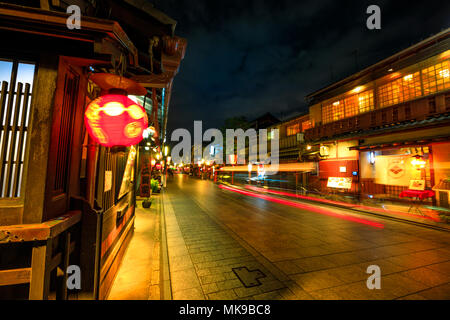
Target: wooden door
[{"x": 66, "y": 140}]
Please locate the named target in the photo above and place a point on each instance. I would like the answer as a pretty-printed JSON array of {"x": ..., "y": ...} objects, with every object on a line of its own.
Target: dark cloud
[{"x": 250, "y": 57}]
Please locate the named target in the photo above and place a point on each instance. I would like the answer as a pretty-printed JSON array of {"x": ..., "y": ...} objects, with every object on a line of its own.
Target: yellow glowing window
[
  {"x": 306, "y": 125},
  {"x": 327, "y": 112},
  {"x": 338, "y": 110},
  {"x": 294, "y": 129},
  {"x": 365, "y": 101},
  {"x": 436, "y": 78},
  {"x": 351, "y": 106},
  {"x": 391, "y": 93}
]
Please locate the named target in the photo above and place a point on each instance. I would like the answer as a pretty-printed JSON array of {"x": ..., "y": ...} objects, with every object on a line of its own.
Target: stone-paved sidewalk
[
  {"x": 138, "y": 277},
  {"x": 202, "y": 255}
]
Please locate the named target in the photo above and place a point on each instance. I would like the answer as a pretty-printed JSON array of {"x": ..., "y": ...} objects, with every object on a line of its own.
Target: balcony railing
[{"x": 389, "y": 116}]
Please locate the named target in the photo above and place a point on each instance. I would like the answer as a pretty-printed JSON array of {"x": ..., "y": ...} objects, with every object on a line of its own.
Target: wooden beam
[
  {"x": 15, "y": 276},
  {"x": 39, "y": 231},
  {"x": 154, "y": 80},
  {"x": 26, "y": 19}
]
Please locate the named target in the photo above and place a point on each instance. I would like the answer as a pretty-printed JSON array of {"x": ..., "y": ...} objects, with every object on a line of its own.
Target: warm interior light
[
  {"x": 408, "y": 77},
  {"x": 444, "y": 73},
  {"x": 418, "y": 163},
  {"x": 445, "y": 54},
  {"x": 308, "y": 147},
  {"x": 336, "y": 103},
  {"x": 358, "y": 89}
]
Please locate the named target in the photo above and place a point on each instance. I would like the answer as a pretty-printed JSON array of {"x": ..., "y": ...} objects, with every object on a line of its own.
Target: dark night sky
[{"x": 245, "y": 58}]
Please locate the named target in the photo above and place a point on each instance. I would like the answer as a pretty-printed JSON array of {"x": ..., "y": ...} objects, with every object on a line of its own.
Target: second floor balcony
[{"x": 416, "y": 110}]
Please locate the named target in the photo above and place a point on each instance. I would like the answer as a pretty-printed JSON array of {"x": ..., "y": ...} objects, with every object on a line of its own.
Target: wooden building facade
[
  {"x": 64, "y": 199},
  {"x": 374, "y": 127}
]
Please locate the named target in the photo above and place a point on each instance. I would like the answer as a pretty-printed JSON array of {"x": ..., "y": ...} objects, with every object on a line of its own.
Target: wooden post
[
  {"x": 61, "y": 292},
  {"x": 44, "y": 5},
  {"x": 40, "y": 271},
  {"x": 92, "y": 158}
]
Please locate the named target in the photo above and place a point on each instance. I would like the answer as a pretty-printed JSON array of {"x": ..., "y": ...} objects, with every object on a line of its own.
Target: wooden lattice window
[{"x": 16, "y": 83}]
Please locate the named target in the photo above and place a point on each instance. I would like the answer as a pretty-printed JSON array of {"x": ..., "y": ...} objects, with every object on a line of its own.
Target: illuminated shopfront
[{"x": 388, "y": 172}]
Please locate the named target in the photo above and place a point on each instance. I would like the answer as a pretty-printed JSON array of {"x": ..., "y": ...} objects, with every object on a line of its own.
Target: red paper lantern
[{"x": 115, "y": 120}]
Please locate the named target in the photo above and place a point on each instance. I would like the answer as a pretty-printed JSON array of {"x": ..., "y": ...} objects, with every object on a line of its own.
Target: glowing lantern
[
  {"x": 418, "y": 163},
  {"x": 115, "y": 120}
]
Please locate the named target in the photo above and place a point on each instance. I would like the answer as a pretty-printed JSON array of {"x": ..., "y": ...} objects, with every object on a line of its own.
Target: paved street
[{"x": 295, "y": 251}]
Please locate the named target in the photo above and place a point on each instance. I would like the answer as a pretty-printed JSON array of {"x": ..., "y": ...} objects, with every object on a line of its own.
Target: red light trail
[
  {"x": 305, "y": 207},
  {"x": 342, "y": 204}
]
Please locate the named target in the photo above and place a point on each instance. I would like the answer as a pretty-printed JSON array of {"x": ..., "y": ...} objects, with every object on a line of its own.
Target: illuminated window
[
  {"x": 270, "y": 134},
  {"x": 16, "y": 77},
  {"x": 399, "y": 90},
  {"x": 411, "y": 86},
  {"x": 349, "y": 107},
  {"x": 365, "y": 101},
  {"x": 306, "y": 125},
  {"x": 338, "y": 110},
  {"x": 436, "y": 77},
  {"x": 294, "y": 129},
  {"x": 327, "y": 112}
]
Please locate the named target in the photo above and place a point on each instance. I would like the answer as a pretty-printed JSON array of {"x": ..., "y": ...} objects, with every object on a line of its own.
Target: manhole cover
[{"x": 249, "y": 278}]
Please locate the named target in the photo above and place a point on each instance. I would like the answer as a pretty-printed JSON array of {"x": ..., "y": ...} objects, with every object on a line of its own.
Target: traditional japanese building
[
  {"x": 386, "y": 128},
  {"x": 66, "y": 199},
  {"x": 291, "y": 137}
]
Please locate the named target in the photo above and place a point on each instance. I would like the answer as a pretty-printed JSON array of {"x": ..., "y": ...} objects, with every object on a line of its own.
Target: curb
[{"x": 165, "y": 284}]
